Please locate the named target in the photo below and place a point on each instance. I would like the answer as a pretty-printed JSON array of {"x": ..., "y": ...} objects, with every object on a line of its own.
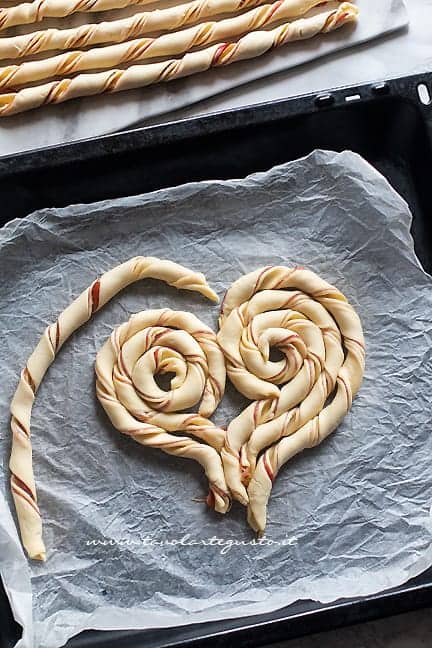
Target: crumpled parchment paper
[
  {"x": 106, "y": 113},
  {"x": 128, "y": 547}
]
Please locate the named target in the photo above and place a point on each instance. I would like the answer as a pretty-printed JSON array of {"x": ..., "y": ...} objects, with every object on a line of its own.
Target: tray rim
[{"x": 402, "y": 87}]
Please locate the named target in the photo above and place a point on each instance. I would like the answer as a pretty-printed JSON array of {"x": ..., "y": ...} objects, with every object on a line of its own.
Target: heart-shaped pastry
[{"x": 300, "y": 398}]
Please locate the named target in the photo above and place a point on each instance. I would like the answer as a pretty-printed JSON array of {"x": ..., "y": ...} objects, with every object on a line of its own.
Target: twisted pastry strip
[
  {"x": 250, "y": 46},
  {"x": 27, "y": 13},
  {"x": 321, "y": 338},
  {"x": 149, "y": 344},
  {"x": 147, "y": 48},
  {"x": 117, "y": 31},
  {"x": 75, "y": 315}
]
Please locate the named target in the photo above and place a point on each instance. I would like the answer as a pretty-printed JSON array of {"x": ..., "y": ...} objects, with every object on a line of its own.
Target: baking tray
[{"x": 384, "y": 122}]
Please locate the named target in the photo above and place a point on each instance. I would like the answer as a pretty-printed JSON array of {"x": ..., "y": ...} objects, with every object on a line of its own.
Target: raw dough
[
  {"x": 75, "y": 315},
  {"x": 249, "y": 46},
  {"x": 321, "y": 338},
  {"x": 145, "y": 22},
  {"x": 164, "y": 341}
]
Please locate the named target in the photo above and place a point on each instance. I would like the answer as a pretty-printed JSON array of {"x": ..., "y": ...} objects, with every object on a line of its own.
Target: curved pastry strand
[
  {"x": 321, "y": 338},
  {"x": 75, "y": 315},
  {"x": 157, "y": 342},
  {"x": 249, "y": 46}
]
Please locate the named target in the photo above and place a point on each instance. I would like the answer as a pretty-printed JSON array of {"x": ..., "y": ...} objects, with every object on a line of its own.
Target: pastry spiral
[
  {"x": 160, "y": 342},
  {"x": 55, "y": 335},
  {"x": 298, "y": 400}
]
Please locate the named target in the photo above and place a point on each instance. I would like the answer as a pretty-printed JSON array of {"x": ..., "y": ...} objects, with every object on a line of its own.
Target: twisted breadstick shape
[
  {"x": 27, "y": 13},
  {"x": 321, "y": 337},
  {"x": 75, "y": 315},
  {"x": 149, "y": 344},
  {"x": 249, "y": 46},
  {"x": 147, "y": 48},
  {"x": 117, "y": 31}
]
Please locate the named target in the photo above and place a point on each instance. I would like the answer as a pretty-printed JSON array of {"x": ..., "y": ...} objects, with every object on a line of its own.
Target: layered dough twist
[
  {"x": 75, "y": 315},
  {"x": 159, "y": 342},
  {"x": 298, "y": 400},
  {"x": 145, "y": 22},
  {"x": 252, "y": 45},
  {"x": 170, "y": 19},
  {"x": 147, "y": 48},
  {"x": 26, "y": 13}
]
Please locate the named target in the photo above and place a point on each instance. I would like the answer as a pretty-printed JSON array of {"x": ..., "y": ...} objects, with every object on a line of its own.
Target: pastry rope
[
  {"x": 27, "y": 13},
  {"x": 141, "y": 49},
  {"x": 117, "y": 31},
  {"x": 249, "y": 46}
]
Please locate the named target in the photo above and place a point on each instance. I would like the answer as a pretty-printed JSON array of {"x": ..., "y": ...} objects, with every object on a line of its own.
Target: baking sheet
[
  {"x": 97, "y": 115},
  {"x": 127, "y": 545}
]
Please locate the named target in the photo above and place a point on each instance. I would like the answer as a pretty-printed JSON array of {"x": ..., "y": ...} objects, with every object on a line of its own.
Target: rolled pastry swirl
[
  {"x": 298, "y": 400},
  {"x": 159, "y": 342},
  {"x": 75, "y": 315},
  {"x": 249, "y": 46},
  {"x": 117, "y": 31},
  {"x": 147, "y": 48}
]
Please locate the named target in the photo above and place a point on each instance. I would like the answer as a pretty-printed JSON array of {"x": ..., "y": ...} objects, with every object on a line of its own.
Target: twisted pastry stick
[
  {"x": 75, "y": 315},
  {"x": 27, "y": 13},
  {"x": 149, "y": 344},
  {"x": 321, "y": 337},
  {"x": 117, "y": 31},
  {"x": 147, "y": 48},
  {"x": 250, "y": 46}
]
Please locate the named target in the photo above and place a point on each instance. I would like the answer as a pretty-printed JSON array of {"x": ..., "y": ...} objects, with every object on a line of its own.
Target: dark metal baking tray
[{"x": 385, "y": 122}]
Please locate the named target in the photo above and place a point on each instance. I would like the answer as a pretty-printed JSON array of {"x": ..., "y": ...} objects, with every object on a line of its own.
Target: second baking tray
[{"x": 386, "y": 123}]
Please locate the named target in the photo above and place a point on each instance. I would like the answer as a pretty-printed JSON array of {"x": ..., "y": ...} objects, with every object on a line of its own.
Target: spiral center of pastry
[
  {"x": 157, "y": 351},
  {"x": 273, "y": 331}
]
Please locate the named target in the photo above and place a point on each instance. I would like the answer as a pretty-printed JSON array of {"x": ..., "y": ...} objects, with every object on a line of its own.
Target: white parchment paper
[
  {"x": 104, "y": 114},
  {"x": 346, "y": 519}
]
